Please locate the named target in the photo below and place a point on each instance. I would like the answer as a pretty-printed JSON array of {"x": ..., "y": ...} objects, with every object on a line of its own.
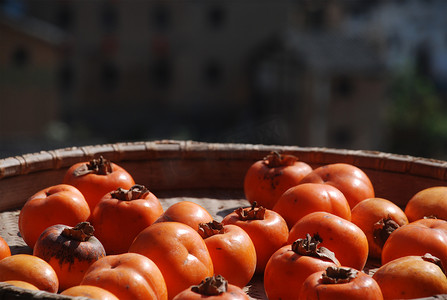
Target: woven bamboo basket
[{"x": 210, "y": 174}]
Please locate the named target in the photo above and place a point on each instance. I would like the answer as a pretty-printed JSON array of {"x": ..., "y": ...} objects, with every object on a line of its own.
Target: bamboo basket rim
[{"x": 168, "y": 149}]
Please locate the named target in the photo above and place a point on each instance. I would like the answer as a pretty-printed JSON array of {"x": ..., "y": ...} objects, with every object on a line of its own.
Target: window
[
  {"x": 160, "y": 73},
  {"x": 109, "y": 76},
  {"x": 216, "y": 17},
  {"x": 20, "y": 56},
  {"x": 109, "y": 17},
  {"x": 65, "y": 76},
  {"x": 343, "y": 86},
  {"x": 64, "y": 17},
  {"x": 212, "y": 72},
  {"x": 160, "y": 17}
]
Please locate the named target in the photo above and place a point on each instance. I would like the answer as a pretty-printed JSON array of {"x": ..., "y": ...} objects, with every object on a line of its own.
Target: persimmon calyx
[
  {"x": 275, "y": 159},
  {"x": 382, "y": 230},
  {"x": 81, "y": 232},
  {"x": 137, "y": 191},
  {"x": 211, "y": 286},
  {"x": 309, "y": 246},
  {"x": 255, "y": 212},
  {"x": 99, "y": 166},
  {"x": 433, "y": 259},
  {"x": 337, "y": 275},
  {"x": 209, "y": 229}
]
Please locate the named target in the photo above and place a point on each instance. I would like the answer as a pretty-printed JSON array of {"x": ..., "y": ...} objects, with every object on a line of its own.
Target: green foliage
[{"x": 417, "y": 117}]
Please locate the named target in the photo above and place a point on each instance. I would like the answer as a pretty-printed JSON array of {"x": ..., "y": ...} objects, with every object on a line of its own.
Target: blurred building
[{"x": 310, "y": 73}]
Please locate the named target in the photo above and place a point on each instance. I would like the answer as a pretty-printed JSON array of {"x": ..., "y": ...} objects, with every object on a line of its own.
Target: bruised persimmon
[{"x": 69, "y": 250}]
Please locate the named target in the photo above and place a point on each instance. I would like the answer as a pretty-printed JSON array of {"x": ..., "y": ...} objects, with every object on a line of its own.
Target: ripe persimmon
[
  {"x": 178, "y": 250},
  {"x": 232, "y": 251},
  {"x": 411, "y": 277},
  {"x": 267, "y": 179},
  {"x": 97, "y": 177},
  {"x": 378, "y": 218},
  {"x": 430, "y": 202},
  {"x": 290, "y": 265},
  {"x": 89, "y": 291},
  {"x": 267, "y": 229},
  {"x": 127, "y": 276},
  {"x": 213, "y": 288},
  {"x": 349, "y": 179},
  {"x": 186, "y": 212},
  {"x": 5, "y": 250},
  {"x": 31, "y": 269},
  {"x": 305, "y": 198},
  {"x": 58, "y": 204},
  {"x": 340, "y": 283},
  {"x": 344, "y": 238},
  {"x": 417, "y": 238},
  {"x": 121, "y": 214}
]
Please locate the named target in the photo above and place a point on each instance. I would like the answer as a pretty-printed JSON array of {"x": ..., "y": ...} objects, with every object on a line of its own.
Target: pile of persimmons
[{"x": 308, "y": 234}]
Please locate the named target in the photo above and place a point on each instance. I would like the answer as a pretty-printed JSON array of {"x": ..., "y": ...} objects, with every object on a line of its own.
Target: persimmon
[
  {"x": 430, "y": 202},
  {"x": 411, "y": 277},
  {"x": 121, "y": 214},
  {"x": 31, "y": 269},
  {"x": 90, "y": 292},
  {"x": 417, "y": 238},
  {"x": 5, "y": 250},
  {"x": 289, "y": 266},
  {"x": 232, "y": 251},
  {"x": 69, "y": 250},
  {"x": 267, "y": 229},
  {"x": 186, "y": 212},
  {"x": 378, "y": 218},
  {"x": 305, "y": 198},
  {"x": 267, "y": 179},
  {"x": 97, "y": 177},
  {"x": 349, "y": 179},
  {"x": 213, "y": 288},
  {"x": 178, "y": 250},
  {"x": 22, "y": 284},
  {"x": 58, "y": 204},
  {"x": 344, "y": 238},
  {"x": 340, "y": 283},
  {"x": 127, "y": 276}
]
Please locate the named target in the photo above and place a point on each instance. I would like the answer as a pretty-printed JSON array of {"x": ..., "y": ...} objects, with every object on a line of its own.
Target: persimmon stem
[
  {"x": 433, "y": 259},
  {"x": 81, "y": 232},
  {"x": 99, "y": 166},
  {"x": 309, "y": 246},
  {"x": 209, "y": 229},
  {"x": 211, "y": 286},
  {"x": 336, "y": 275},
  {"x": 275, "y": 159},
  {"x": 137, "y": 191},
  {"x": 382, "y": 230},
  {"x": 255, "y": 212}
]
